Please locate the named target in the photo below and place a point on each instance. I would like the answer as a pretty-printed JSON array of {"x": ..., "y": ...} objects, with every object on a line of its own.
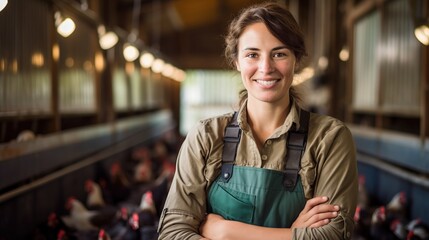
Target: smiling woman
[{"x": 271, "y": 170}]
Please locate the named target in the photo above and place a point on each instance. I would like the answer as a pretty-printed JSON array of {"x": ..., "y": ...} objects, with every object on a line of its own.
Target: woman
[{"x": 247, "y": 175}]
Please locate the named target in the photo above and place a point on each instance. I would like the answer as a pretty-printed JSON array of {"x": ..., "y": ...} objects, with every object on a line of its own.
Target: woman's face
[{"x": 266, "y": 65}]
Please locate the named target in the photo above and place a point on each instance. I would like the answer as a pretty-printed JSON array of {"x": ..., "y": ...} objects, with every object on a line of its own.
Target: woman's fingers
[
  {"x": 323, "y": 208},
  {"x": 316, "y": 213},
  {"x": 321, "y": 219},
  {"x": 314, "y": 202}
]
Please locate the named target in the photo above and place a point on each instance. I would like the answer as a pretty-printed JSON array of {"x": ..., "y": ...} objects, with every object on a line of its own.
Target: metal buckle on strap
[
  {"x": 232, "y": 134},
  {"x": 290, "y": 178}
]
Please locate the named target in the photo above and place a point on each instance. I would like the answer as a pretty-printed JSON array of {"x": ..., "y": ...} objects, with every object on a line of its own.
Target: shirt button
[
  {"x": 269, "y": 142},
  {"x": 264, "y": 157}
]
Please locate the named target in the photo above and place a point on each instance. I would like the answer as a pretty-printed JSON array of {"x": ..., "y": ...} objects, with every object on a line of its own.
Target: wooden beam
[{"x": 349, "y": 67}]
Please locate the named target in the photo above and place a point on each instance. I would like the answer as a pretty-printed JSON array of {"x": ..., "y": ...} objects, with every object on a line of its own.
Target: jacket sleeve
[
  {"x": 185, "y": 206},
  {"x": 337, "y": 178}
]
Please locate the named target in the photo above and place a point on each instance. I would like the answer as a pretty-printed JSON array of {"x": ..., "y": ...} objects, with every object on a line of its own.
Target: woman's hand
[
  {"x": 316, "y": 213},
  {"x": 212, "y": 226}
]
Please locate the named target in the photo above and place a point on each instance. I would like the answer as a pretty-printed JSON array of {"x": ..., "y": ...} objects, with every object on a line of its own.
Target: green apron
[
  {"x": 259, "y": 196},
  {"x": 256, "y": 196}
]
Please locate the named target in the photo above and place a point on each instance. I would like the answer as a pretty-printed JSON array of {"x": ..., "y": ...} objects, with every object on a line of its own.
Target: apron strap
[
  {"x": 296, "y": 142},
  {"x": 230, "y": 143}
]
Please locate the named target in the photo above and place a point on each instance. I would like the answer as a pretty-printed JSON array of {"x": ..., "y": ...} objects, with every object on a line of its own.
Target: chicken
[
  {"x": 397, "y": 207},
  {"x": 103, "y": 235},
  {"x": 417, "y": 230},
  {"x": 144, "y": 220},
  {"x": 50, "y": 229},
  {"x": 143, "y": 172},
  {"x": 363, "y": 201},
  {"x": 119, "y": 185},
  {"x": 362, "y": 219},
  {"x": 66, "y": 235},
  {"x": 398, "y": 229},
  {"x": 79, "y": 217},
  {"x": 94, "y": 198},
  {"x": 147, "y": 203},
  {"x": 26, "y": 135},
  {"x": 82, "y": 219},
  {"x": 145, "y": 214},
  {"x": 379, "y": 228}
]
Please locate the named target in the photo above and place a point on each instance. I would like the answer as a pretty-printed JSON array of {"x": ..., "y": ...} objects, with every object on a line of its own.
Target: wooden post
[{"x": 55, "y": 96}]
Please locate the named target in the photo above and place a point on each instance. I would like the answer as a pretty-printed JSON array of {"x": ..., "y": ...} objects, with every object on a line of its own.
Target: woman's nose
[{"x": 266, "y": 65}]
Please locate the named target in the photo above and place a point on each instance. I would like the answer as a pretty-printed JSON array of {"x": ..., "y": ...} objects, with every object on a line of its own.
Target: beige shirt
[{"x": 328, "y": 168}]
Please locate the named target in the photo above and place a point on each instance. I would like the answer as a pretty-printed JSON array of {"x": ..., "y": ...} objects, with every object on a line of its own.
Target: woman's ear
[
  {"x": 237, "y": 66},
  {"x": 296, "y": 67}
]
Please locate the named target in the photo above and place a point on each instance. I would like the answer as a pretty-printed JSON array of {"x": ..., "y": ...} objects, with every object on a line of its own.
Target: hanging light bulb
[
  {"x": 422, "y": 34},
  {"x": 344, "y": 54},
  {"x": 3, "y": 4},
  {"x": 158, "y": 65},
  {"x": 131, "y": 53},
  {"x": 64, "y": 27},
  {"x": 179, "y": 75},
  {"x": 146, "y": 60},
  {"x": 108, "y": 40},
  {"x": 323, "y": 63},
  {"x": 168, "y": 70}
]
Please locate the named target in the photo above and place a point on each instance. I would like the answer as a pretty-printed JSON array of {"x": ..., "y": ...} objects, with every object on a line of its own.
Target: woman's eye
[
  {"x": 280, "y": 54},
  {"x": 251, "y": 55}
]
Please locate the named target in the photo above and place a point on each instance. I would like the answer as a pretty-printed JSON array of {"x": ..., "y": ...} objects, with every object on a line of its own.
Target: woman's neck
[{"x": 265, "y": 118}]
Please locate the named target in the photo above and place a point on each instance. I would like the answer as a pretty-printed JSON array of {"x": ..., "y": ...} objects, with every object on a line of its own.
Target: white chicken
[
  {"x": 147, "y": 203},
  {"x": 94, "y": 198},
  {"x": 80, "y": 217}
]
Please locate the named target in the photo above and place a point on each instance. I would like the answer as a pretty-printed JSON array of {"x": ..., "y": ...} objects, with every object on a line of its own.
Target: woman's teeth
[{"x": 266, "y": 83}]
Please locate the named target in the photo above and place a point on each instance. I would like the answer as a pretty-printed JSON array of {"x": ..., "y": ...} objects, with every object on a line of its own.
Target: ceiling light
[
  {"x": 179, "y": 75},
  {"x": 158, "y": 65},
  {"x": 344, "y": 54},
  {"x": 65, "y": 27},
  {"x": 131, "y": 53},
  {"x": 422, "y": 34},
  {"x": 146, "y": 60},
  {"x": 3, "y": 4},
  {"x": 323, "y": 63},
  {"x": 168, "y": 70},
  {"x": 108, "y": 40}
]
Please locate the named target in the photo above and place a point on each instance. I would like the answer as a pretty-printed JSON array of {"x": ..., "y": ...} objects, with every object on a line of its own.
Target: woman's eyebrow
[
  {"x": 257, "y": 49},
  {"x": 251, "y": 49},
  {"x": 279, "y": 48}
]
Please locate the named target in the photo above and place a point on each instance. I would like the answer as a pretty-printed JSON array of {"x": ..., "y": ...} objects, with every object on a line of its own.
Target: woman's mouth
[{"x": 266, "y": 83}]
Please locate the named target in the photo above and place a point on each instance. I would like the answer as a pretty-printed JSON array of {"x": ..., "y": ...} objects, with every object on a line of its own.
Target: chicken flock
[
  {"x": 125, "y": 204},
  {"x": 386, "y": 222}
]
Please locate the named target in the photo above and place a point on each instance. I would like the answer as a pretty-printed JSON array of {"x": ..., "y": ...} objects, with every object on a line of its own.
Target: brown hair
[{"x": 279, "y": 22}]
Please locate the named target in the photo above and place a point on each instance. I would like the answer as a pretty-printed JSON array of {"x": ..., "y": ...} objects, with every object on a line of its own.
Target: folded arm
[{"x": 316, "y": 213}]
